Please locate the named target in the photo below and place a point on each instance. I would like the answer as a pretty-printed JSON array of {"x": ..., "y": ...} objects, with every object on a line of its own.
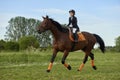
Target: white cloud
[
  {"x": 51, "y": 11},
  {"x": 110, "y": 8},
  {"x": 88, "y": 19}
]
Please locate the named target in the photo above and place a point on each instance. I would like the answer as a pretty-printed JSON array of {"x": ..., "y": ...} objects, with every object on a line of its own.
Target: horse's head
[
  {"x": 45, "y": 25},
  {"x": 48, "y": 24}
]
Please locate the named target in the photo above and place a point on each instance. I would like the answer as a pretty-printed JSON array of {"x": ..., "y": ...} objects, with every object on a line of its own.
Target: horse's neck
[{"x": 56, "y": 33}]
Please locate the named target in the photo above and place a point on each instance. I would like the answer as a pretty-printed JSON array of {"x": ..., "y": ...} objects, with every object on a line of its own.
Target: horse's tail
[{"x": 100, "y": 42}]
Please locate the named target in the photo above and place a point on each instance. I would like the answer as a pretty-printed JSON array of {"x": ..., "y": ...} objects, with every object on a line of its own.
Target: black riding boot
[{"x": 75, "y": 37}]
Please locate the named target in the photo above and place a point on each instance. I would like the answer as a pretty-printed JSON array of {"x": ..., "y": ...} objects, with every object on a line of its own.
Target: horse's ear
[
  {"x": 47, "y": 16},
  {"x": 43, "y": 17}
]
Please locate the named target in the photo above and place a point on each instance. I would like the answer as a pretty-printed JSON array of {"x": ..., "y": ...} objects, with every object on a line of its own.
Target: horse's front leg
[
  {"x": 52, "y": 60},
  {"x": 64, "y": 58}
]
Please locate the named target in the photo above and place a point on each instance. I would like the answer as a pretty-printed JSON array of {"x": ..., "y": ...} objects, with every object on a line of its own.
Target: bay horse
[{"x": 63, "y": 43}]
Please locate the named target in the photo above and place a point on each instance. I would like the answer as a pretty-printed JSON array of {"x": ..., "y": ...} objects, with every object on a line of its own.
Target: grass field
[{"x": 32, "y": 65}]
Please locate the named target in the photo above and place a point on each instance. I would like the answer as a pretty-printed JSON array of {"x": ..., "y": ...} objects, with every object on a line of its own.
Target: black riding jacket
[{"x": 73, "y": 22}]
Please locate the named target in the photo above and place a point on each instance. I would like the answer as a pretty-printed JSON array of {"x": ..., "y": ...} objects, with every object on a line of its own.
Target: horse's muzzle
[{"x": 39, "y": 31}]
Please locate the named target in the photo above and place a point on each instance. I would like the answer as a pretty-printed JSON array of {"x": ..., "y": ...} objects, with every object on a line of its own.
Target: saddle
[{"x": 80, "y": 36}]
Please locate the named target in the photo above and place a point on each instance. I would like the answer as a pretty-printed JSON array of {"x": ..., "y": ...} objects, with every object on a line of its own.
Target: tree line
[{"x": 21, "y": 29}]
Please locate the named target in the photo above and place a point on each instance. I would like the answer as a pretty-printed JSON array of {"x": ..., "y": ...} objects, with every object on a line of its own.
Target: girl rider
[{"x": 73, "y": 24}]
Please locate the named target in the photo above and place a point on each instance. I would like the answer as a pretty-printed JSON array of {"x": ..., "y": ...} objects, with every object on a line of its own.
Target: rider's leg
[{"x": 76, "y": 36}]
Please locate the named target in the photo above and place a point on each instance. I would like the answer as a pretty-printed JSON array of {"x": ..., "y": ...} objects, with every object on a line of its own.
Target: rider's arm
[
  {"x": 76, "y": 20},
  {"x": 69, "y": 22},
  {"x": 76, "y": 24}
]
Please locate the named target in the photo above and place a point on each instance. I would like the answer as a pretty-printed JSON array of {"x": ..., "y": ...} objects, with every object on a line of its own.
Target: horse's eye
[{"x": 45, "y": 22}]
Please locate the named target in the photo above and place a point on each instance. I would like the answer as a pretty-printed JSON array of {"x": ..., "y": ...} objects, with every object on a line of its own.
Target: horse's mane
[{"x": 59, "y": 27}]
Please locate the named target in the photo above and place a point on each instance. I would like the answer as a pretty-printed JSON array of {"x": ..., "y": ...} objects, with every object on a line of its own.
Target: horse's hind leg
[
  {"x": 84, "y": 61},
  {"x": 64, "y": 58},
  {"x": 92, "y": 60}
]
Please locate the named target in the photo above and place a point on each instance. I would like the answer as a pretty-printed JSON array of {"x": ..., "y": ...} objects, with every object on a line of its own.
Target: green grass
[{"x": 32, "y": 65}]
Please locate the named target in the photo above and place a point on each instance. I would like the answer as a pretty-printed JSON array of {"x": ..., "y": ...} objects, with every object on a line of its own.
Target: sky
[{"x": 101, "y": 17}]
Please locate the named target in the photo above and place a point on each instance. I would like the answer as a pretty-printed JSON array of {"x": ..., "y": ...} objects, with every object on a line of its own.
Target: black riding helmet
[{"x": 73, "y": 11}]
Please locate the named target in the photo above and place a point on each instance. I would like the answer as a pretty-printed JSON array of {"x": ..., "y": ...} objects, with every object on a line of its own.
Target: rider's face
[{"x": 71, "y": 14}]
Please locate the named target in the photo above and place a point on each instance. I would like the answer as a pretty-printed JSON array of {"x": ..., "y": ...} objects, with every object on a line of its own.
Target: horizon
[{"x": 99, "y": 17}]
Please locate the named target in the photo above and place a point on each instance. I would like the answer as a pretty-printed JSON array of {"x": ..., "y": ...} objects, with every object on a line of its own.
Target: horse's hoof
[
  {"x": 69, "y": 67},
  {"x": 94, "y": 67},
  {"x": 48, "y": 71},
  {"x": 78, "y": 70}
]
